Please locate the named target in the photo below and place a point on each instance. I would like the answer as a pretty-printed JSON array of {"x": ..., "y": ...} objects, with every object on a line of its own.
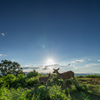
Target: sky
[{"x": 47, "y": 34}]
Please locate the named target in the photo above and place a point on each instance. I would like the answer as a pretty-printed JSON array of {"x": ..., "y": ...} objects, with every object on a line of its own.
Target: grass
[{"x": 26, "y": 88}]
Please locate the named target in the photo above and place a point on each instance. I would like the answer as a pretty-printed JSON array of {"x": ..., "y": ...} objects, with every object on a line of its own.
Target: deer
[
  {"x": 65, "y": 76},
  {"x": 44, "y": 79}
]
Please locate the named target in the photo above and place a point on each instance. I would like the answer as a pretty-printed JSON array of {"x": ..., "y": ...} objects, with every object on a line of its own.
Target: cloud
[
  {"x": 45, "y": 67},
  {"x": 77, "y": 61},
  {"x": 12, "y": 60},
  {"x": 68, "y": 65},
  {"x": 51, "y": 65},
  {"x": 88, "y": 59},
  {"x": 30, "y": 67},
  {"x": 92, "y": 65},
  {"x": 42, "y": 67},
  {"x": 2, "y": 34},
  {"x": 98, "y": 60},
  {"x": 0, "y": 54}
]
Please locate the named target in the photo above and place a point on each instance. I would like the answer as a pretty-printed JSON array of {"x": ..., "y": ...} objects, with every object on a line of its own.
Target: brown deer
[
  {"x": 44, "y": 79},
  {"x": 65, "y": 76}
]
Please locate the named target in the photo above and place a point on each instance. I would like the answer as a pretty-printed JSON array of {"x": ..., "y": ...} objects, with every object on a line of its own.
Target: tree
[{"x": 9, "y": 67}]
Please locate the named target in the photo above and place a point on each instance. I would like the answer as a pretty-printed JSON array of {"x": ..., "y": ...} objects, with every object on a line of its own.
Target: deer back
[
  {"x": 43, "y": 79},
  {"x": 66, "y": 75}
]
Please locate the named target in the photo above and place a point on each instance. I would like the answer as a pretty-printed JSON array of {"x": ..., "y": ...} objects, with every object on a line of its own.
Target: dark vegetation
[{"x": 24, "y": 87}]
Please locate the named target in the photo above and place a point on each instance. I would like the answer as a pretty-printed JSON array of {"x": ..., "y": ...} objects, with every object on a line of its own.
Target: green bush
[
  {"x": 49, "y": 93},
  {"x": 21, "y": 78},
  {"x": 80, "y": 87},
  {"x": 20, "y": 81},
  {"x": 80, "y": 76},
  {"x": 31, "y": 81},
  {"x": 32, "y": 74},
  {"x": 1, "y": 82},
  {"x": 92, "y": 76},
  {"x": 56, "y": 93},
  {"x": 15, "y": 94},
  {"x": 42, "y": 93},
  {"x": 9, "y": 79}
]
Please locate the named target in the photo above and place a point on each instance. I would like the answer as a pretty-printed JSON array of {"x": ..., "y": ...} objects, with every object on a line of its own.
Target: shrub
[
  {"x": 92, "y": 76},
  {"x": 80, "y": 76},
  {"x": 14, "y": 94},
  {"x": 49, "y": 93},
  {"x": 21, "y": 78},
  {"x": 32, "y": 74},
  {"x": 80, "y": 88},
  {"x": 1, "y": 82},
  {"x": 31, "y": 81},
  {"x": 20, "y": 81},
  {"x": 9, "y": 79},
  {"x": 42, "y": 93},
  {"x": 56, "y": 93}
]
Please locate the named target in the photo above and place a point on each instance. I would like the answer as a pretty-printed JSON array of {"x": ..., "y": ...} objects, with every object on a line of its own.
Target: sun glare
[{"x": 49, "y": 62}]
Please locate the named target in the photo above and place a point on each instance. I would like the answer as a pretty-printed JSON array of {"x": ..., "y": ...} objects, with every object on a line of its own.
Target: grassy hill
[{"x": 27, "y": 88}]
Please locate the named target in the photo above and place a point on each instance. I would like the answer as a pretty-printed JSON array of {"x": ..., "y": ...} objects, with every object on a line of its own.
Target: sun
[{"x": 50, "y": 62}]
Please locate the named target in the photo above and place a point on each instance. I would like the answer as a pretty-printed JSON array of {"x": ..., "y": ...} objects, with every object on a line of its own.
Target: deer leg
[
  {"x": 64, "y": 85},
  {"x": 38, "y": 82}
]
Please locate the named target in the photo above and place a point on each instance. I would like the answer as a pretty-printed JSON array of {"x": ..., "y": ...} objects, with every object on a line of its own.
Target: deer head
[
  {"x": 56, "y": 70},
  {"x": 49, "y": 74}
]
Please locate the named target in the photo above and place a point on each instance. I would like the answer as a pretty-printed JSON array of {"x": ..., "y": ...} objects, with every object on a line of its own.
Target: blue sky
[{"x": 65, "y": 32}]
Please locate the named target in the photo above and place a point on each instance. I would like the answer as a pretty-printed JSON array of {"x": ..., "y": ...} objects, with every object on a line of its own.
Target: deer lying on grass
[
  {"x": 44, "y": 79},
  {"x": 65, "y": 76}
]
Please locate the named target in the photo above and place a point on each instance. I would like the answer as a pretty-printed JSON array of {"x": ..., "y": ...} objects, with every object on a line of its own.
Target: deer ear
[{"x": 58, "y": 68}]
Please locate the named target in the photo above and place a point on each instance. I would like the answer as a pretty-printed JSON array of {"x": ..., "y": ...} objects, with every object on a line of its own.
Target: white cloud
[
  {"x": 41, "y": 67},
  {"x": 77, "y": 61},
  {"x": 92, "y": 65},
  {"x": 98, "y": 60},
  {"x": 30, "y": 67},
  {"x": 88, "y": 59},
  {"x": 0, "y": 54},
  {"x": 2, "y": 34}
]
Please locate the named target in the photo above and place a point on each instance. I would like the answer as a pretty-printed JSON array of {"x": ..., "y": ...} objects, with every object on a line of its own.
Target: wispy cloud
[
  {"x": 88, "y": 59},
  {"x": 42, "y": 67},
  {"x": 98, "y": 60},
  {"x": 0, "y": 54},
  {"x": 12, "y": 60},
  {"x": 2, "y": 34},
  {"x": 68, "y": 65},
  {"x": 30, "y": 67},
  {"x": 77, "y": 61},
  {"x": 93, "y": 65}
]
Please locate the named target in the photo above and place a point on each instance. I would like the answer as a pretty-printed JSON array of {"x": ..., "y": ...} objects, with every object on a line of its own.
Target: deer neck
[
  {"x": 48, "y": 76},
  {"x": 58, "y": 74}
]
